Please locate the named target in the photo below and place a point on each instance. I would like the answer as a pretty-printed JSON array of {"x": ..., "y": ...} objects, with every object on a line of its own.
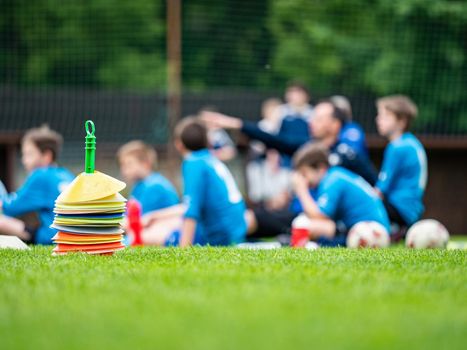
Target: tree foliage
[
  {"x": 352, "y": 47},
  {"x": 98, "y": 43},
  {"x": 415, "y": 47}
]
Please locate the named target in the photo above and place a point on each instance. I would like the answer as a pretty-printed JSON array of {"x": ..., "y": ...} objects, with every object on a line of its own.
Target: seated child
[
  {"x": 213, "y": 211},
  {"x": 403, "y": 176},
  {"x": 40, "y": 149},
  {"x": 151, "y": 189},
  {"x": 342, "y": 197}
]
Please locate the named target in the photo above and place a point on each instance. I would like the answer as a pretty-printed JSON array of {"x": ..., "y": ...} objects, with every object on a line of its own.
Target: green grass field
[{"x": 205, "y": 298}]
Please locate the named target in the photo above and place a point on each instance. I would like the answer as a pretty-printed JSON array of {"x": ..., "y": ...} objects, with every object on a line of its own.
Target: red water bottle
[
  {"x": 134, "y": 221},
  {"x": 300, "y": 232}
]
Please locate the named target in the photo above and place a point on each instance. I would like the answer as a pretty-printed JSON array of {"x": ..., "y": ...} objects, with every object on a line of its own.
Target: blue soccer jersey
[
  {"x": 155, "y": 192},
  {"x": 403, "y": 176},
  {"x": 213, "y": 199},
  {"x": 38, "y": 194},
  {"x": 345, "y": 197},
  {"x": 353, "y": 135}
]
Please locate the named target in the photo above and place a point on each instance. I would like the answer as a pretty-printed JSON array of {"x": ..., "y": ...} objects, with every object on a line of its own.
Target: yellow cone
[{"x": 90, "y": 187}]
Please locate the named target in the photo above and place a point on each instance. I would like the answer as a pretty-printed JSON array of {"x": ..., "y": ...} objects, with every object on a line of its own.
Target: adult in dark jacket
[{"x": 325, "y": 126}]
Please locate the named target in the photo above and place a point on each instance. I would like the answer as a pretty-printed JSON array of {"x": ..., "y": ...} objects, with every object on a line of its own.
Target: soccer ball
[
  {"x": 369, "y": 234},
  {"x": 427, "y": 234}
]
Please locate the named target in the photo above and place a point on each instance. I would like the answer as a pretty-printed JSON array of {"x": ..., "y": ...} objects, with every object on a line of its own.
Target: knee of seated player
[
  {"x": 316, "y": 227},
  {"x": 157, "y": 233}
]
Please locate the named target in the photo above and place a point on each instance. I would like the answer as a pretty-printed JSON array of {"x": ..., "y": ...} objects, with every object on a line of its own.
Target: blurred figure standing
[{"x": 295, "y": 115}]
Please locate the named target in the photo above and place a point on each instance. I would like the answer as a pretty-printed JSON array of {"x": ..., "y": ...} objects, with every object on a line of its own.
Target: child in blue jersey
[
  {"x": 151, "y": 189},
  {"x": 341, "y": 197},
  {"x": 403, "y": 176},
  {"x": 154, "y": 193},
  {"x": 213, "y": 211},
  {"x": 40, "y": 148}
]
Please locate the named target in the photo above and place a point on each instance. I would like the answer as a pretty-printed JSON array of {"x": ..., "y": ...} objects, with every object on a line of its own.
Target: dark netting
[{"x": 64, "y": 62}]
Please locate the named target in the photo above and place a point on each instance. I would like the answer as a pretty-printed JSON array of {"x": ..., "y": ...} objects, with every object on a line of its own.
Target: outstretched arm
[
  {"x": 219, "y": 120},
  {"x": 285, "y": 145}
]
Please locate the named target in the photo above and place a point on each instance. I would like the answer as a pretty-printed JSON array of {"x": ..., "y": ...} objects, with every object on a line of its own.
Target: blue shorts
[
  {"x": 337, "y": 241},
  {"x": 174, "y": 238}
]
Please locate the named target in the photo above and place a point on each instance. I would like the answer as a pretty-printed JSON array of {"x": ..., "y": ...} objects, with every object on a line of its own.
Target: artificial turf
[{"x": 213, "y": 298}]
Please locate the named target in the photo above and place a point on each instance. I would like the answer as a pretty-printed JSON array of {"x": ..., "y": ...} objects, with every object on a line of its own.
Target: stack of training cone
[{"x": 90, "y": 211}]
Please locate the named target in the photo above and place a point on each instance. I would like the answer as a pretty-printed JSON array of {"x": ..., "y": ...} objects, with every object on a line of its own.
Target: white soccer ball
[
  {"x": 428, "y": 233},
  {"x": 368, "y": 234}
]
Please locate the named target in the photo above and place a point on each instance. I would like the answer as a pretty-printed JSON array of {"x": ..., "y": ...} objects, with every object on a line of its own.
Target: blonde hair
[
  {"x": 402, "y": 107},
  {"x": 140, "y": 150}
]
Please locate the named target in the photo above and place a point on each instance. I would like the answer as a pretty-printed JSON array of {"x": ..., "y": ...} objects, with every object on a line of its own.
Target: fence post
[{"x": 174, "y": 83}]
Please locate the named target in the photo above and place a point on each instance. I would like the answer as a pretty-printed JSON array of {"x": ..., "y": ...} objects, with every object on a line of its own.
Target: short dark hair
[
  {"x": 402, "y": 107},
  {"x": 337, "y": 113},
  {"x": 296, "y": 84},
  {"x": 139, "y": 150},
  {"x": 45, "y": 139},
  {"x": 192, "y": 133},
  {"x": 313, "y": 155}
]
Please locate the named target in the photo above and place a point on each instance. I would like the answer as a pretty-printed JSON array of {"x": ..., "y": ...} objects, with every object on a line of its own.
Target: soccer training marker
[
  {"x": 12, "y": 242},
  {"x": 89, "y": 213}
]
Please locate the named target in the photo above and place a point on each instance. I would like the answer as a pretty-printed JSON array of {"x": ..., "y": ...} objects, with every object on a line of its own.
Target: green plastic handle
[{"x": 90, "y": 160}]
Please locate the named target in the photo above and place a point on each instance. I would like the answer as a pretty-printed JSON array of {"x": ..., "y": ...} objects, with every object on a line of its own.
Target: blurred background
[{"x": 136, "y": 67}]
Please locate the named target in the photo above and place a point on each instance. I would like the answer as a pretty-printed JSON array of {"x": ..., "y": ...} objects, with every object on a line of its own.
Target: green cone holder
[{"x": 90, "y": 160}]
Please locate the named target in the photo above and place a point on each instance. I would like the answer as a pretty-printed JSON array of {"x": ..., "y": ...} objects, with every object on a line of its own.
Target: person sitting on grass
[
  {"x": 341, "y": 197},
  {"x": 213, "y": 210},
  {"x": 403, "y": 176},
  {"x": 40, "y": 149},
  {"x": 326, "y": 126},
  {"x": 151, "y": 189}
]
